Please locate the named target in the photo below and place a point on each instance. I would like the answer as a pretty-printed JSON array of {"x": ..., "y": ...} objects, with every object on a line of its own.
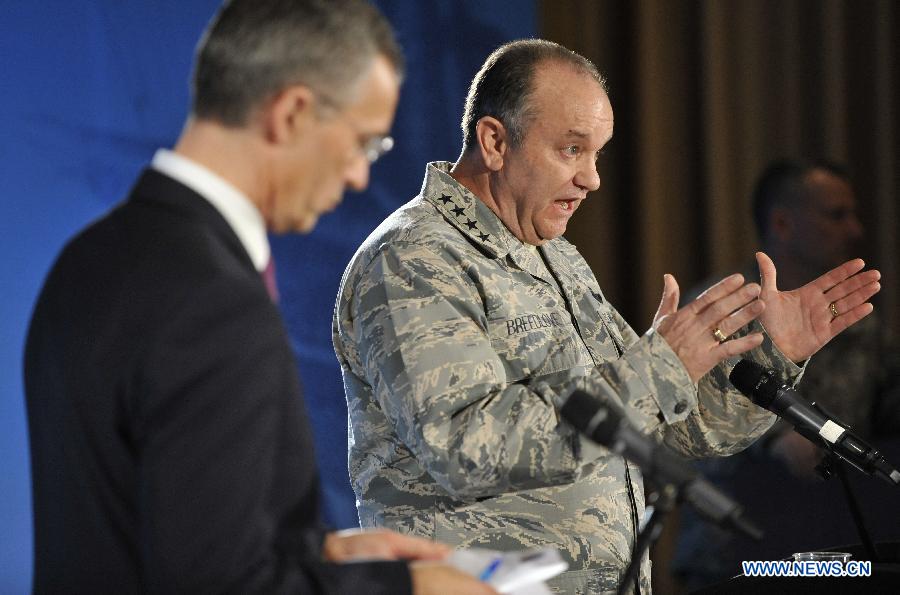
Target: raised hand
[
  {"x": 802, "y": 321},
  {"x": 691, "y": 331}
]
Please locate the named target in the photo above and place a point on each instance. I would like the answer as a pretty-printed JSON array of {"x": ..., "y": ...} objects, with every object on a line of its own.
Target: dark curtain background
[
  {"x": 705, "y": 93},
  {"x": 92, "y": 88}
]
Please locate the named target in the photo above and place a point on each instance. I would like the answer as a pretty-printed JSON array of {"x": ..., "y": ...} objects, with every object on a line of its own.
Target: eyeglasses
[
  {"x": 376, "y": 146},
  {"x": 373, "y": 147}
]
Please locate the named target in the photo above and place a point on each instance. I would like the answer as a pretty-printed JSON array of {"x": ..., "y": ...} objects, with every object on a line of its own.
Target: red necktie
[{"x": 268, "y": 276}]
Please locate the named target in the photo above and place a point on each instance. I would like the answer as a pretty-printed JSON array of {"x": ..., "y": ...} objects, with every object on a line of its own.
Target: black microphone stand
[
  {"x": 832, "y": 464},
  {"x": 662, "y": 502}
]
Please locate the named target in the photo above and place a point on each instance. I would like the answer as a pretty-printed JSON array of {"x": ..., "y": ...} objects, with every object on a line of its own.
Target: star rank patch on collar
[
  {"x": 470, "y": 224},
  {"x": 484, "y": 236},
  {"x": 445, "y": 198},
  {"x": 458, "y": 210}
]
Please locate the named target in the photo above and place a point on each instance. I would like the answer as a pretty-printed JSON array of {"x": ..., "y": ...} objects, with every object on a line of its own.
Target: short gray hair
[
  {"x": 503, "y": 86},
  {"x": 253, "y": 49}
]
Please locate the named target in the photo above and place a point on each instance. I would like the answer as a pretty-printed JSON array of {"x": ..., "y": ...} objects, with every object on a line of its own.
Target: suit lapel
[{"x": 157, "y": 188}]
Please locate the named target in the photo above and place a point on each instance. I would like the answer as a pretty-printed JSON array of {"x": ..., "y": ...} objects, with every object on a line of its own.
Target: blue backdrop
[{"x": 94, "y": 87}]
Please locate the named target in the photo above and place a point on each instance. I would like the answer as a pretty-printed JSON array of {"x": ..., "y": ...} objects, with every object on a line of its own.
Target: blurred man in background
[{"x": 169, "y": 444}]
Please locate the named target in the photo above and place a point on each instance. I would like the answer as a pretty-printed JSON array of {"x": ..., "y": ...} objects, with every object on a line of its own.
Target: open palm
[{"x": 801, "y": 322}]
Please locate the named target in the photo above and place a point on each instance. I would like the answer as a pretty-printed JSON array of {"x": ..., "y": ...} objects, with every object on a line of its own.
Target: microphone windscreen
[
  {"x": 746, "y": 375},
  {"x": 606, "y": 428},
  {"x": 579, "y": 409},
  {"x": 592, "y": 417},
  {"x": 754, "y": 381}
]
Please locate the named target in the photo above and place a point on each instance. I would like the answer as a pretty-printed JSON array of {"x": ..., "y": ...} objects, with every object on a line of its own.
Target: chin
[
  {"x": 551, "y": 234},
  {"x": 306, "y": 224}
]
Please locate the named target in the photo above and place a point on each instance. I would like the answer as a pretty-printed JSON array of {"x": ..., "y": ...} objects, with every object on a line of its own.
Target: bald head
[{"x": 504, "y": 85}]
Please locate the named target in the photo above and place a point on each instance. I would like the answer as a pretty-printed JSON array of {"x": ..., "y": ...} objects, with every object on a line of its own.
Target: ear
[
  {"x": 289, "y": 113},
  {"x": 781, "y": 223},
  {"x": 493, "y": 142}
]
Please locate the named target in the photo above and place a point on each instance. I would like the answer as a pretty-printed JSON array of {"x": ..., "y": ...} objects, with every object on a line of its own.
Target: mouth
[{"x": 567, "y": 205}]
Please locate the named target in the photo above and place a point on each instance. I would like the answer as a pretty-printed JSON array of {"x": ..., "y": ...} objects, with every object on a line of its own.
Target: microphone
[
  {"x": 609, "y": 428},
  {"x": 764, "y": 388}
]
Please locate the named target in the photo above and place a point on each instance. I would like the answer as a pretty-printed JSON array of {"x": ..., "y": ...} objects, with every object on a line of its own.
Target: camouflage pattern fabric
[{"x": 456, "y": 348}]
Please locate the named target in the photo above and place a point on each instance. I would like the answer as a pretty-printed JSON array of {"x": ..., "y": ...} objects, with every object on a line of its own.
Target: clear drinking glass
[{"x": 842, "y": 557}]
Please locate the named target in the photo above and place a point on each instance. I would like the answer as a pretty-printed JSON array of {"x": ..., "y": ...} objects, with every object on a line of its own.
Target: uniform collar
[
  {"x": 463, "y": 210},
  {"x": 467, "y": 213}
]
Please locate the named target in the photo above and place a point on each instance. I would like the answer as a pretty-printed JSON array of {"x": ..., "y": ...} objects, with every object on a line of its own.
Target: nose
[
  {"x": 854, "y": 227},
  {"x": 357, "y": 174},
  {"x": 587, "y": 176}
]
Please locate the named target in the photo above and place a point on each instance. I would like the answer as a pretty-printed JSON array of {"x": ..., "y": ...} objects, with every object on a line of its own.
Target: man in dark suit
[{"x": 170, "y": 448}]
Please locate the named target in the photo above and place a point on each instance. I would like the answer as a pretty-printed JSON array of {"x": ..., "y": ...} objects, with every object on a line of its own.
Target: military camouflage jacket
[{"x": 456, "y": 342}]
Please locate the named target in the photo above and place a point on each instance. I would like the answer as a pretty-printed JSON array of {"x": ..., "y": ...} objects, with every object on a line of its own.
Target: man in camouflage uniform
[{"x": 464, "y": 320}]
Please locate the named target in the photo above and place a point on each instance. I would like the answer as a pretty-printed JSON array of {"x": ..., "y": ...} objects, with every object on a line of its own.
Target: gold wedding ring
[
  {"x": 719, "y": 335},
  {"x": 833, "y": 308}
]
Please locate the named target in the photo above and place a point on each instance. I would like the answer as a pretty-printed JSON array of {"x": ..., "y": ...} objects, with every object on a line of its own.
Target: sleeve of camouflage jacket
[
  {"x": 422, "y": 342},
  {"x": 708, "y": 419}
]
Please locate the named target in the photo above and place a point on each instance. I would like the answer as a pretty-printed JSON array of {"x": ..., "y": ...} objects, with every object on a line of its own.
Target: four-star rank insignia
[{"x": 459, "y": 211}]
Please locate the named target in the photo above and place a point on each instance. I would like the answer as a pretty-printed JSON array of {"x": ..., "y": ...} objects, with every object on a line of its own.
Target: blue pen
[{"x": 491, "y": 569}]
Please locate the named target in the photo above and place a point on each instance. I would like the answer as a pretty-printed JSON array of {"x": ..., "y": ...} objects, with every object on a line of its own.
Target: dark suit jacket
[{"x": 170, "y": 449}]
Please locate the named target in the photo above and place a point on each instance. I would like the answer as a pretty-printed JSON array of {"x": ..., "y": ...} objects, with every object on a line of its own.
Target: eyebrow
[{"x": 572, "y": 133}]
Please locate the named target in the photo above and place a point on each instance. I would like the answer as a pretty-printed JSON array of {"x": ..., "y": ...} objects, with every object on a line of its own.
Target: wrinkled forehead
[{"x": 568, "y": 100}]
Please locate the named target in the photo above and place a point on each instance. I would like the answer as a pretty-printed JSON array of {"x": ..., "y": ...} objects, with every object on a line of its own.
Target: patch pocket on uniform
[
  {"x": 605, "y": 315},
  {"x": 533, "y": 344}
]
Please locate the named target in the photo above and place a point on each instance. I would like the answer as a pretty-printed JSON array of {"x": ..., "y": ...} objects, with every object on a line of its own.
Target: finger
[
  {"x": 860, "y": 296},
  {"x": 337, "y": 546},
  {"x": 730, "y": 324},
  {"x": 767, "y": 273},
  {"x": 718, "y": 311},
  {"x": 738, "y": 346},
  {"x": 675, "y": 292},
  {"x": 838, "y": 274},
  {"x": 848, "y": 286},
  {"x": 438, "y": 579},
  {"x": 726, "y": 286},
  {"x": 849, "y": 318},
  {"x": 668, "y": 304},
  {"x": 416, "y": 548}
]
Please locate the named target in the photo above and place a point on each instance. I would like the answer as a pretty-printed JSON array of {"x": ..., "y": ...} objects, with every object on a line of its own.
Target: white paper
[{"x": 514, "y": 573}]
